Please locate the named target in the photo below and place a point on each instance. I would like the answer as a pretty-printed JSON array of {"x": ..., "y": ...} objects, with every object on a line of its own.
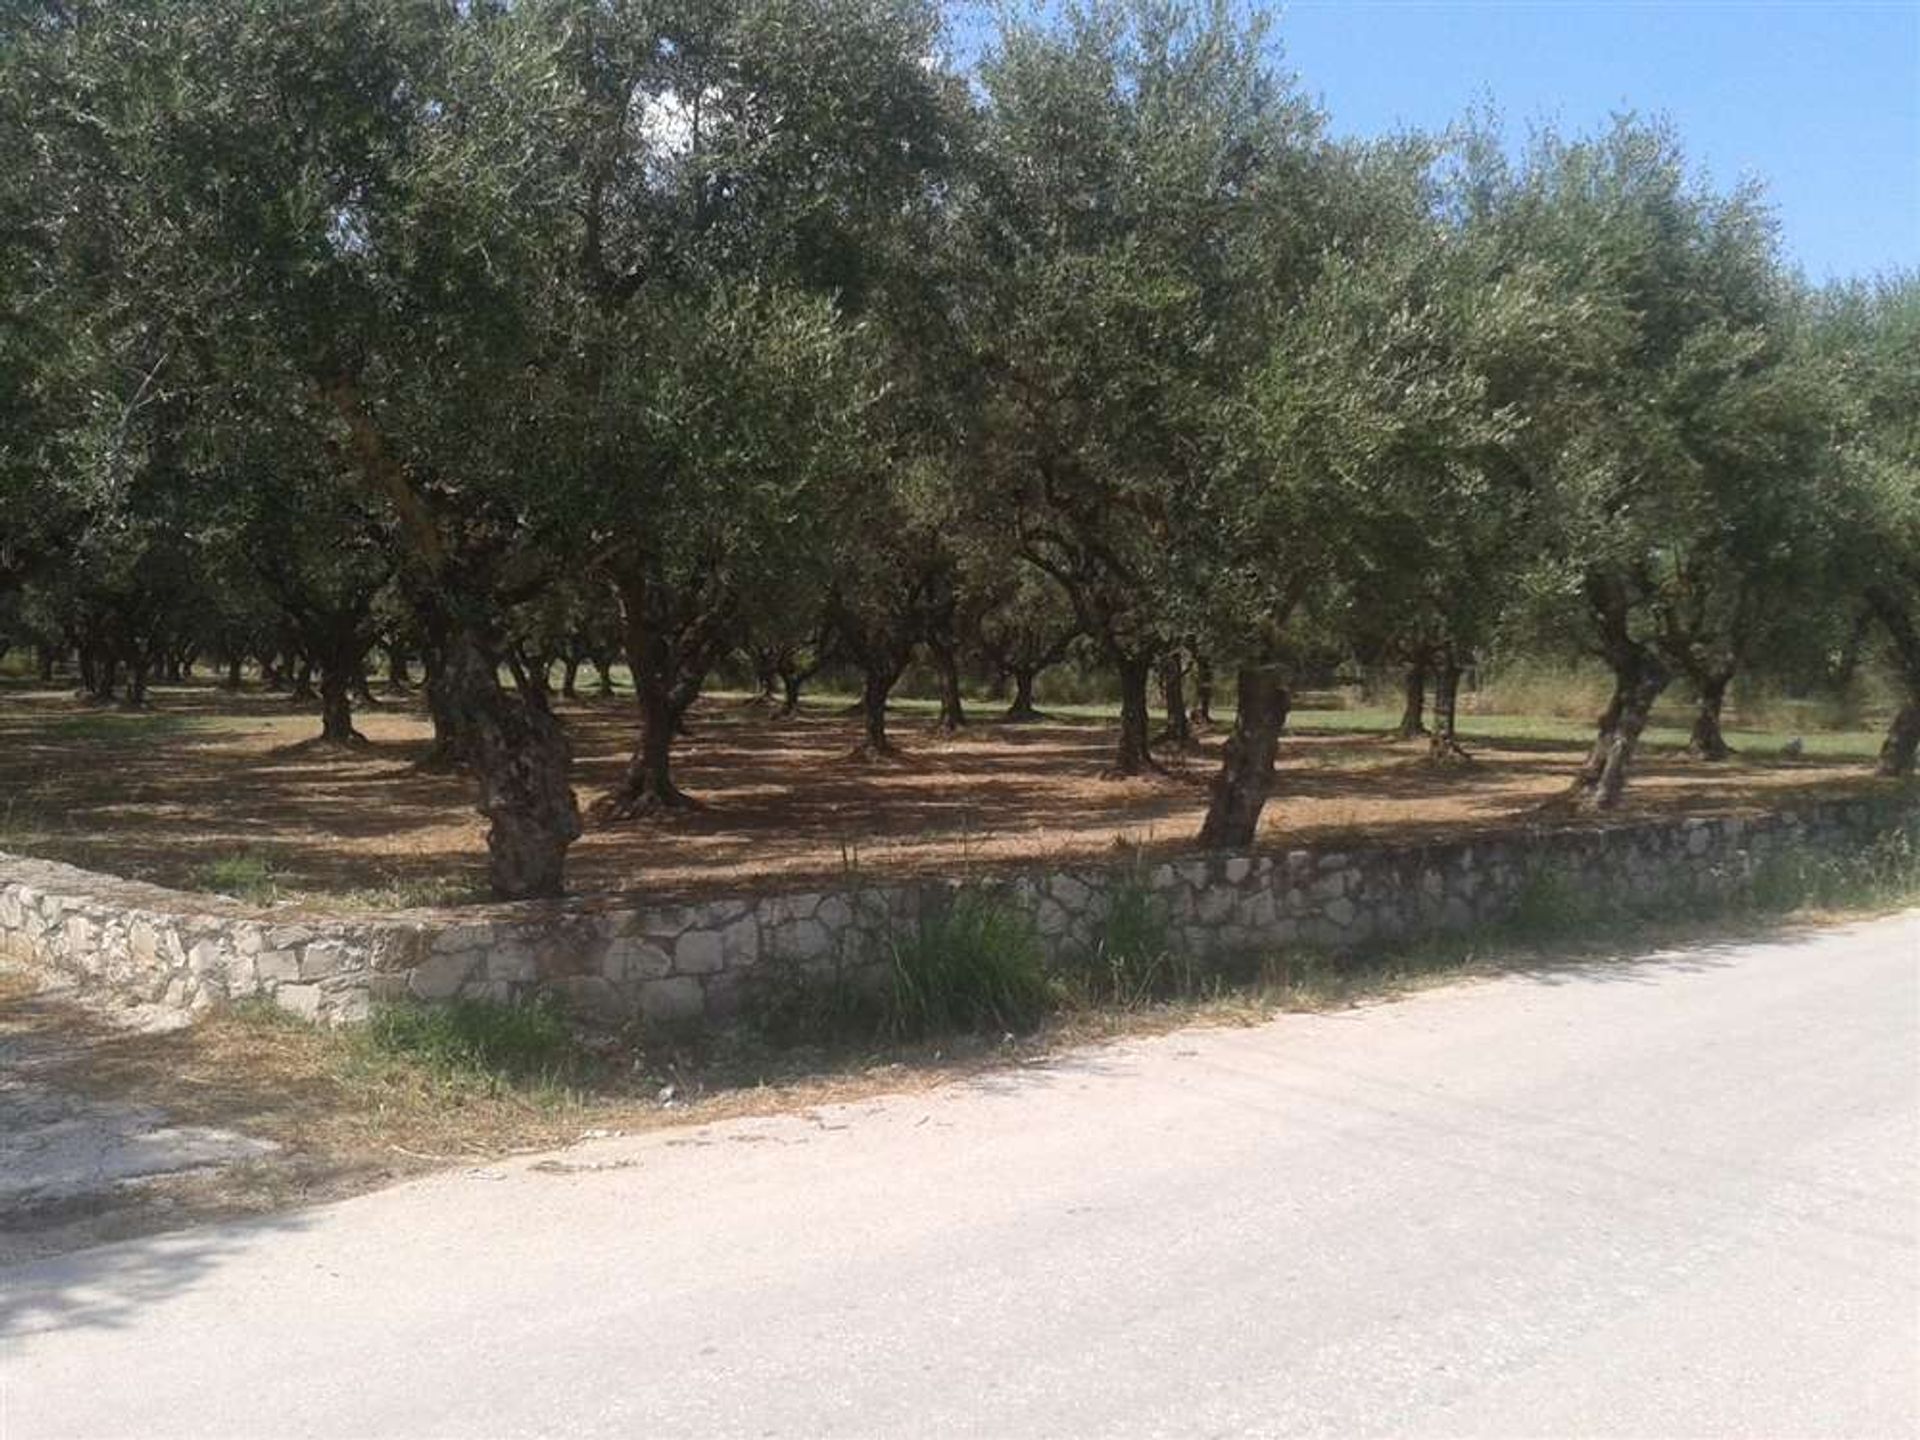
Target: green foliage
[
  {"x": 479, "y": 1041},
  {"x": 245, "y": 877},
  {"x": 1885, "y": 873},
  {"x": 975, "y": 965},
  {"x": 1131, "y": 962}
]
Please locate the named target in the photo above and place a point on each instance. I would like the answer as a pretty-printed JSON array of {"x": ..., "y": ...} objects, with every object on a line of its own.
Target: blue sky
[{"x": 1819, "y": 98}]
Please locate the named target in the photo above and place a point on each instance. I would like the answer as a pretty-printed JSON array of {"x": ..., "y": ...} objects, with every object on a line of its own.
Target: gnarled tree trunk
[
  {"x": 647, "y": 787},
  {"x": 1023, "y": 710},
  {"x": 1444, "y": 747},
  {"x": 520, "y": 756},
  {"x": 336, "y": 709},
  {"x": 1245, "y": 780},
  {"x": 953, "y": 714},
  {"x": 1133, "y": 755},
  {"x": 1902, "y": 742},
  {"x": 1178, "y": 731},
  {"x": 1707, "y": 742},
  {"x": 1414, "y": 704},
  {"x": 877, "y": 682},
  {"x": 1639, "y": 679}
]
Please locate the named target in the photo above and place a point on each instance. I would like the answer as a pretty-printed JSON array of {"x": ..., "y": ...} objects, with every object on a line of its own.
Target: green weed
[
  {"x": 244, "y": 877},
  {"x": 1131, "y": 961},
  {"x": 976, "y": 963},
  {"x": 479, "y": 1041}
]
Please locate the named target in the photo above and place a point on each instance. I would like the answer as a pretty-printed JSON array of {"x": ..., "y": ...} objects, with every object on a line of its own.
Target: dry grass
[{"x": 207, "y": 780}]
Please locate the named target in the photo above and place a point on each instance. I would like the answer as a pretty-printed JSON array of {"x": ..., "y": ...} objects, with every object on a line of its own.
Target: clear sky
[{"x": 1819, "y": 98}]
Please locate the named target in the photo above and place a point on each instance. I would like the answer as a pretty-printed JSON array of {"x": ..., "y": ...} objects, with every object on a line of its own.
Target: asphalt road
[{"x": 1673, "y": 1196}]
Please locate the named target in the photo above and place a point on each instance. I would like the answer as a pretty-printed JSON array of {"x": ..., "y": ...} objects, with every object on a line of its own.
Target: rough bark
[
  {"x": 1245, "y": 780},
  {"x": 1707, "y": 742},
  {"x": 1902, "y": 742},
  {"x": 1903, "y": 735},
  {"x": 1443, "y": 746},
  {"x": 791, "y": 683},
  {"x": 1132, "y": 754},
  {"x": 520, "y": 756},
  {"x": 953, "y": 713},
  {"x": 1413, "y": 709},
  {"x": 647, "y": 788},
  {"x": 336, "y": 709},
  {"x": 1639, "y": 679},
  {"x": 1178, "y": 731},
  {"x": 877, "y": 682},
  {"x": 1023, "y": 710}
]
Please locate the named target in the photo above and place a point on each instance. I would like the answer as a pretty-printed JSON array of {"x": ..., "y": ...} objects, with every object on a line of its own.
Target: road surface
[{"x": 1671, "y": 1196}]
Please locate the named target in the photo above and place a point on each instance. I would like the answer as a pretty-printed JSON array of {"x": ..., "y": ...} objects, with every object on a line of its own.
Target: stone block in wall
[
  {"x": 674, "y": 1001},
  {"x": 629, "y": 958},
  {"x": 698, "y": 952},
  {"x": 799, "y": 941},
  {"x": 441, "y": 977}
]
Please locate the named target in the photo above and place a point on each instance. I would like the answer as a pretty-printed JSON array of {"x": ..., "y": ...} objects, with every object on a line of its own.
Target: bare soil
[{"x": 207, "y": 776}]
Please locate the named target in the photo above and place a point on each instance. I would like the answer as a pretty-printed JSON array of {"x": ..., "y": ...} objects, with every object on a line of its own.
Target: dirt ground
[{"x": 205, "y": 777}]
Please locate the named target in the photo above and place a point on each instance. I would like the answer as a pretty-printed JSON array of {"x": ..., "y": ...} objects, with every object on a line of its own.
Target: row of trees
[{"x": 511, "y": 331}]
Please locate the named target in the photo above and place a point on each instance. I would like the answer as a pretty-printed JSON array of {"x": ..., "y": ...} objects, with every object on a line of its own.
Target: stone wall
[{"x": 689, "y": 964}]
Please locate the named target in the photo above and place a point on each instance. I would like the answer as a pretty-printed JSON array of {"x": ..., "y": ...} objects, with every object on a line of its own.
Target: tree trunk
[
  {"x": 791, "y": 683},
  {"x": 877, "y": 683},
  {"x": 520, "y": 756},
  {"x": 1023, "y": 710},
  {"x": 1707, "y": 742},
  {"x": 604, "y": 668},
  {"x": 1202, "y": 716},
  {"x": 47, "y": 659},
  {"x": 1413, "y": 710},
  {"x": 336, "y": 708},
  {"x": 953, "y": 714},
  {"x": 399, "y": 678},
  {"x": 1638, "y": 683},
  {"x": 1178, "y": 731},
  {"x": 302, "y": 692},
  {"x": 1245, "y": 780},
  {"x": 136, "y": 696},
  {"x": 232, "y": 682},
  {"x": 1444, "y": 748},
  {"x": 1133, "y": 755},
  {"x": 1903, "y": 740},
  {"x": 647, "y": 788},
  {"x": 570, "y": 677}
]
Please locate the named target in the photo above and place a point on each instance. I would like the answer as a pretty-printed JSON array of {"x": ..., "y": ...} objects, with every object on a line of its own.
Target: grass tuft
[
  {"x": 977, "y": 963},
  {"x": 243, "y": 877},
  {"x": 1132, "y": 962},
  {"x": 479, "y": 1041}
]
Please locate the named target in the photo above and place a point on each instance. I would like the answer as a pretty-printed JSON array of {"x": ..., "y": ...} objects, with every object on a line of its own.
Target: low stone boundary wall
[{"x": 685, "y": 964}]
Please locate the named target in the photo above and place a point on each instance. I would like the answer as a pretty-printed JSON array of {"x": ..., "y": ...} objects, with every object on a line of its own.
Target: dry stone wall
[{"x": 692, "y": 964}]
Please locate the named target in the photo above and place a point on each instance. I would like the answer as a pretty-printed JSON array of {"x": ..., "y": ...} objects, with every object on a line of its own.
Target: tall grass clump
[
  {"x": 1132, "y": 961},
  {"x": 974, "y": 964},
  {"x": 1883, "y": 874},
  {"x": 495, "y": 1045}
]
